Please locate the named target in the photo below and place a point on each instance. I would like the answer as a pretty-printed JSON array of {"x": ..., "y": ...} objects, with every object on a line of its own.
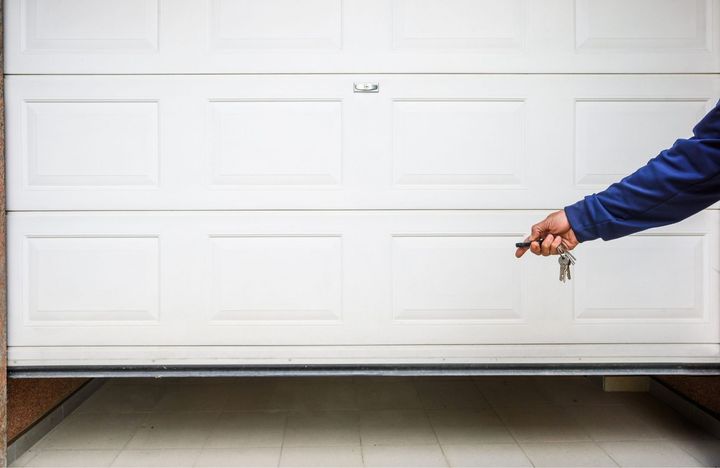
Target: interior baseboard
[{"x": 688, "y": 408}]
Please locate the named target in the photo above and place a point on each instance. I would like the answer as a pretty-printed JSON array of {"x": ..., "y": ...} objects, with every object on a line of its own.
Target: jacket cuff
[{"x": 580, "y": 216}]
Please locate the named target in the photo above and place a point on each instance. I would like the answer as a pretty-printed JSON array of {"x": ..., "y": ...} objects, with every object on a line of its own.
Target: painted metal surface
[{"x": 196, "y": 182}]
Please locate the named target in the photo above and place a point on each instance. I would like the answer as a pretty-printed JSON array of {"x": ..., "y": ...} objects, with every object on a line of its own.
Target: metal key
[{"x": 566, "y": 260}]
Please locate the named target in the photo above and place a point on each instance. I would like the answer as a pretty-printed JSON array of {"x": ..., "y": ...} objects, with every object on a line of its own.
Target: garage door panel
[
  {"x": 205, "y": 181},
  {"x": 550, "y": 355},
  {"x": 459, "y": 142},
  {"x": 82, "y": 26},
  {"x": 283, "y": 278},
  {"x": 276, "y": 142},
  {"x": 613, "y": 138},
  {"x": 347, "y": 278},
  {"x": 91, "y": 279},
  {"x": 91, "y": 143},
  {"x": 683, "y": 25},
  {"x": 309, "y": 142},
  {"x": 447, "y": 278},
  {"x": 266, "y": 25},
  {"x": 335, "y": 36},
  {"x": 605, "y": 292},
  {"x": 459, "y": 25}
]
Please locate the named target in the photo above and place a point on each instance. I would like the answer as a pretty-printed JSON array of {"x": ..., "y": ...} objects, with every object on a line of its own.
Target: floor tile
[
  {"x": 404, "y": 456},
  {"x": 389, "y": 427},
  {"x": 705, "y": 450},
  {"x": 322, "y": 428},
  {"x": 242, "y": 457},
  {"x": 321, "y": 457},
  {"x": 511, "y": 391},
  {"x": 208, "y": 397},
  {"x": 650, "y": 454},
  {"x": 486, "y": 455},
  {"x": 183, "y": 430},
  {"x": 567, "y": 454},
  {"x": 613, "y": 423},
  {"x": 23, "y": 459},
  {"x": 251, "y": 394},
  {"x": 317, "y": 421},
  {"x": 577, "y": 391},
  {"x": 443, "y": 394},
  {"x": 73, "y": 458},
  {"x": 157, "y": 458},
  {"x": 464, "y": 417},
  {"x": 123, "y": 399},
  {"x": 664, "y": 418},
  {"x": 89, "y": 431},
  {"x": 315, "y": 395},
  {"x": 542, "y": 424},
  {"x": 391, "y": 394},
  {"x": 461, "y": 427},
  {"x": 247, "y": 429}
]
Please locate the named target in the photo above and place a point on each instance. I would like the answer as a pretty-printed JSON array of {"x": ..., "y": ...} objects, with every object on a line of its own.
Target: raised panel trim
[
  {"x": 584, "y": 178},
  {"x": 234, "y": 316},
  {"x": 34, "y": 181},
  {"x": 585, "y": 42},
  {"x": 513, "y": 43},
  {"x": 489, "y": 314},
  {"x": 145, "y": 43},
  {"x": 607, "y": 315},
  {"x": 331, "y": 179},
  {"x": 61, "y": 318},
  {"x": 221, "y": 43},
  {"x": 513, "y": 179}
]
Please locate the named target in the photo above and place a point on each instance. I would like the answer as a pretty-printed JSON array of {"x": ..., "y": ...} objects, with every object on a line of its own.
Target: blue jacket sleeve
[{"x": 679, "y": 182}]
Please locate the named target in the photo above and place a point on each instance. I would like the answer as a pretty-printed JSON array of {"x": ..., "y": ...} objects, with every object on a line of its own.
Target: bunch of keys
[{"x": 565, "y": 259}]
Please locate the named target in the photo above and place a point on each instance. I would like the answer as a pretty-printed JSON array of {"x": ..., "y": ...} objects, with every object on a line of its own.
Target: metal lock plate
[{"x": 366, "y": 87}]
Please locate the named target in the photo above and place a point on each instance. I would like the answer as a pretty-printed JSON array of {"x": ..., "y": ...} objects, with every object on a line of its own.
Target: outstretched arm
[{"x": 679, "y": 182}]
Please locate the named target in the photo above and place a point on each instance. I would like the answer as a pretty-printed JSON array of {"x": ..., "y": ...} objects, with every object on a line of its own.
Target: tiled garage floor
[{"x": 371, "y": 422}]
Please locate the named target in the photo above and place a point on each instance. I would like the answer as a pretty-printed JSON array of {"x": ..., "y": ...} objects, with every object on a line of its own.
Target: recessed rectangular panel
[
  {"x": 107, "y": 26},
  {"x": 275, "y": 24},
  {"x": 449, "y": 278},
  {"x": 257, "y": 278},
  {"x": 92, "y": 143},
  {"x": 614, "y": 138},
  {"x": 642, "y": 277},
  {"x": 276, "y": 142},
  {"x": 95, "y": 279},
  {"x": 642, "y": 24},
  {"x": 459, "y": 24},
  {"x": 463, "y": 142}
]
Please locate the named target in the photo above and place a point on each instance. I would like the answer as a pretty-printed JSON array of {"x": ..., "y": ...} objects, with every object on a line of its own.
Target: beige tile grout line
[
  {"x": 597, "y": 443},
  {"x": 606, "y": 453},
  {"x": 282, "y": 440},
  {"x": 510, "y": 431},
  {"x": 207, "y": 437},
  {"x": 432, "y": 426},
  {"x": 359, "y": 420},
  {"x": 127, "y": 442}
]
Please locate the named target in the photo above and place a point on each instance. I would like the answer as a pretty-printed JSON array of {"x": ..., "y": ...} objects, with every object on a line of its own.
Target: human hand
[{"x": 555, "y": 229}]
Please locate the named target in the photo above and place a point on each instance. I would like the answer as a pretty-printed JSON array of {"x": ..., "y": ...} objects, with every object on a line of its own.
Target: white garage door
[{"x": 197, "y": 181}]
